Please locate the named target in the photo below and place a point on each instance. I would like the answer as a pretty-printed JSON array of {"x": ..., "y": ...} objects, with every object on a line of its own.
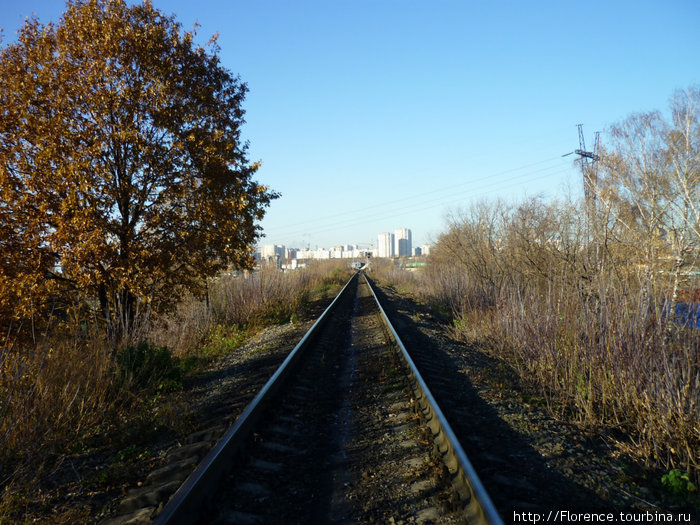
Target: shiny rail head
[{"x": 479, "y": 508}]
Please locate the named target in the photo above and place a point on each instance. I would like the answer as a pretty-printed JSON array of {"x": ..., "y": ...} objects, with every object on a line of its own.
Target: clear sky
[{"x": 371, "y": 115}]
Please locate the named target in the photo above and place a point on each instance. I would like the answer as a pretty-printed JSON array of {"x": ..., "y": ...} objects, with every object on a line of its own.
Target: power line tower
[{"x": 587, "y": 160}]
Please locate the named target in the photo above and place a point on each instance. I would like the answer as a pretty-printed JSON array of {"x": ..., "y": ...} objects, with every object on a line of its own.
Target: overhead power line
[
  {"x": 389, "y": 214},
  {"x": 386, "y": 206},
  {"x": 386, "y": 210}
]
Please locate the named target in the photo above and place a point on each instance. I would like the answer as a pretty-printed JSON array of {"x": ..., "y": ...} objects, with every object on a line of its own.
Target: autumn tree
[{"x": 123, "y": 174}]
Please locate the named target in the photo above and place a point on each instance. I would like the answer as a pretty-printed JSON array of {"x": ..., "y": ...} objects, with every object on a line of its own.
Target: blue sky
[{"x": 374, "y": 115}]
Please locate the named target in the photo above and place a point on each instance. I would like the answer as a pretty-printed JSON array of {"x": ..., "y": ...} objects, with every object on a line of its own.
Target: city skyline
[{"x": 388, "y": 244}]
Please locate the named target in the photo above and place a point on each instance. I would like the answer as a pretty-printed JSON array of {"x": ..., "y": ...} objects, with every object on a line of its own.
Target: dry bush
[
  {"x": 64, "y": 388},
  {"x": 183, "y": 329},
  {"x": 619, "y": 367},
  {"x": 389, "y": 272},
  {"x": 581, "y": 296},
  {"x": 577, "y": 314}
]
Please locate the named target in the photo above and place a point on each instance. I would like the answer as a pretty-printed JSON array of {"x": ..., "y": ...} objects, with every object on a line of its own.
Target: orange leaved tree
[{"x": 123, "y": 175}]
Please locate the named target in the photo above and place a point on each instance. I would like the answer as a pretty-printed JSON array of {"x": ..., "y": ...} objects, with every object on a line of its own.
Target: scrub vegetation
[{"x": 582, "y": 298}]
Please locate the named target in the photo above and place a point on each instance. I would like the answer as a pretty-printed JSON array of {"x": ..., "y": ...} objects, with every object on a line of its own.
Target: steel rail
[
  {"x": 479, "y": 508},
  {"x": 184, "y": 506}
]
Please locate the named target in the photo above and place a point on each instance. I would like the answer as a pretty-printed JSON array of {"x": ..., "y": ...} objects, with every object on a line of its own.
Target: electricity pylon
[{"x": 587, "y": 158}]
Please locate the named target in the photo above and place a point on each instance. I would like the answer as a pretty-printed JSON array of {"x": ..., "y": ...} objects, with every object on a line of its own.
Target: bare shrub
[
  {"x": 547, "y": 288},
  {"x": 580, "y": 296},
  {"x": 615, "y": 365}
]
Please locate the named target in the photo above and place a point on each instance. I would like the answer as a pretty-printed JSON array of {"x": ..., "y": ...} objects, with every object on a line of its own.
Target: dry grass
[
  {"x": 51, "y": 395},
  {"x": 239, "y": 305}
]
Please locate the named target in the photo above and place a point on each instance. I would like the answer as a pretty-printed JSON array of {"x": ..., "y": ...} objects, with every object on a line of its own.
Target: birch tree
[{"x": 649, "y": 188}]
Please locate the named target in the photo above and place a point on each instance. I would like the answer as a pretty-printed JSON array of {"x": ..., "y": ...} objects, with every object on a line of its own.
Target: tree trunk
[{"x": 126, "y": 309}]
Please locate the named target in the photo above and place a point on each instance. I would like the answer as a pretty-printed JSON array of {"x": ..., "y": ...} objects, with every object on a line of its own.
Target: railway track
[{"x": 346, "y": 430}]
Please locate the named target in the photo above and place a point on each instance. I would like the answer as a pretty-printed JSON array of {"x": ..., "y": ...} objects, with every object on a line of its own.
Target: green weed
[
  {"x": 222, "y": 340},
  {"x": 678, "y": 483},
  {"x": 130, "y": 452},
  {"x": 148, "y": 367}
]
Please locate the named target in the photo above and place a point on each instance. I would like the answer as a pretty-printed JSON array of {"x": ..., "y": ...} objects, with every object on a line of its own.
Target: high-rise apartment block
[
  {"x": 403, "y": 246},
  {"x": 385, "y": 244},
  {"x": 272, "y": 251},
  {"x": 389, "y": 245}
]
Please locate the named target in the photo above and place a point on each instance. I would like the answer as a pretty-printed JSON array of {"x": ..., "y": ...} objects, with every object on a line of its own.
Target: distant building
[
  {"x": 402, "y": 243},
  {"x": 272, "y": 251},
  {"x": 385, "y": 244},
  {"x": 293, "y": 264},
  {"x": 417, "y": 251},
  {"x": 425, "y": 249},
  {"x": 304, "y": 253}
]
